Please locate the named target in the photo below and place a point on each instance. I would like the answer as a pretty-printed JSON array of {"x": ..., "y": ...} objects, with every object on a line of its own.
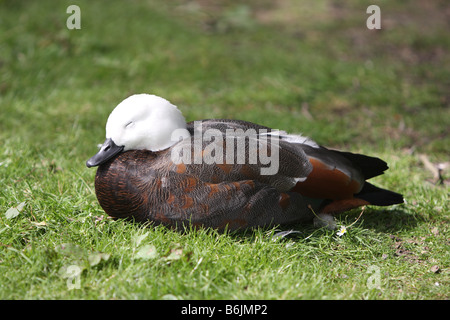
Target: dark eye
[{"x": 129, "y": 124}]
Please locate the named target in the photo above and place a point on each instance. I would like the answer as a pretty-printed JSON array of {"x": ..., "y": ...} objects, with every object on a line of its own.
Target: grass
[{"x": 311, "y": 67}]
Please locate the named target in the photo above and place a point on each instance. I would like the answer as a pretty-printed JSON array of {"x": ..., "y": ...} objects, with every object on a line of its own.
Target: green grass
[{"x": 311, "y": 67}]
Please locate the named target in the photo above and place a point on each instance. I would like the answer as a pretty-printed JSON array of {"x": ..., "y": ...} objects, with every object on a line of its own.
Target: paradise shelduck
[{"x": 222, "y": 173}]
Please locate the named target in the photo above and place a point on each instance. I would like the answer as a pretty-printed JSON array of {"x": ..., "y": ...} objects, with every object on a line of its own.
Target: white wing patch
[{"x": 294, "y": 138}]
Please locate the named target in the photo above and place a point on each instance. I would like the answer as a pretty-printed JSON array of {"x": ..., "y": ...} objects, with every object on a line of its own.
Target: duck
[{"x": 154, "y": 167}]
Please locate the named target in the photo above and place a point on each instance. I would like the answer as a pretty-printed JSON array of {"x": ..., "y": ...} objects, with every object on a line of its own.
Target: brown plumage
[{"x": 148, "y": 185}]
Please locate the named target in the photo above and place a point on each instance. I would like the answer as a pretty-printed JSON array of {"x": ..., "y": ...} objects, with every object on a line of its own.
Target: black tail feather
[
  {"x": 370, "y": 166},
  {"x": 378, "y": 196}
]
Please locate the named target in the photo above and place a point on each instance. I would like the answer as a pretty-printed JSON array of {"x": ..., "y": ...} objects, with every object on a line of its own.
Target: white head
[
  {"x": 144, "y": 121},
  {"x": 141, "y": 121}
]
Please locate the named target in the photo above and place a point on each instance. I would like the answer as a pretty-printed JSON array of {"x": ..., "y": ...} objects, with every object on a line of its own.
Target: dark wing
[
  {"x": 137, "y": 185},
  {"x": 184, "y": 199},
  {"x": 231, "y": 150}
]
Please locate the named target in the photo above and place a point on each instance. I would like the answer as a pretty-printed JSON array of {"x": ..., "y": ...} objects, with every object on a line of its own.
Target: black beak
[{"x": 108, "y": 150}]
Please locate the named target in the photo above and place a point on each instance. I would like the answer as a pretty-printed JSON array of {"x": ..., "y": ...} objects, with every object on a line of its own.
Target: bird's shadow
[{"x": 387, "y": 221}]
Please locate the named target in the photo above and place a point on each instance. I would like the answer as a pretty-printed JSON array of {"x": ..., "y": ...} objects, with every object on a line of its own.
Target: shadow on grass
[{"x": 386, "y": 221}]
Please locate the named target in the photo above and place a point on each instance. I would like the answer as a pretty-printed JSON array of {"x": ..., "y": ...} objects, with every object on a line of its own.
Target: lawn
[{"x": 301, "y": 66}]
